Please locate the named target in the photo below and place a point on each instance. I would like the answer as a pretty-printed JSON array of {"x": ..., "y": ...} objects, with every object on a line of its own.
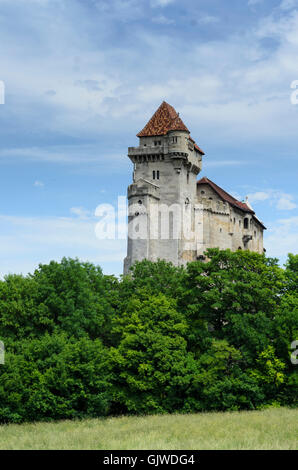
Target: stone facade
[
  {"x": 225, "y": 225},
  {"x": 165, "y": 198}
]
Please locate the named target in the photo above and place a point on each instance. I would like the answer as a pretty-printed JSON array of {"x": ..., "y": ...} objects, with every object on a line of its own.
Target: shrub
[{"x": 54, "y": 377}]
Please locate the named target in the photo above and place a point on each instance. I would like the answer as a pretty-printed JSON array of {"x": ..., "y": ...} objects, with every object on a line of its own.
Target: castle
[{"x": 171, "y": 214}]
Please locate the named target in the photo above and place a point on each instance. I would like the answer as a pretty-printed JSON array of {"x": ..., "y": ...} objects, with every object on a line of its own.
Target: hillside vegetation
[
  {"x": 269, "y": 429},
  {"x": 213, "y": 336}
]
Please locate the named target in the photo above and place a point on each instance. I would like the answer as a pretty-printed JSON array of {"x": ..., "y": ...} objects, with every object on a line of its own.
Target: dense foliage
[{"x": 211, "y": 336}]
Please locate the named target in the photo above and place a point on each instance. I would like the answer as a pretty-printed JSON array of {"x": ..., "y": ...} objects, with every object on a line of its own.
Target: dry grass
[{"x": 268, "y": 429}]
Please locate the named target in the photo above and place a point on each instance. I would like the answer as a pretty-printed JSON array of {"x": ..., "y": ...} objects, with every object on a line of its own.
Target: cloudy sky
[{"x": 82, "y": 77}]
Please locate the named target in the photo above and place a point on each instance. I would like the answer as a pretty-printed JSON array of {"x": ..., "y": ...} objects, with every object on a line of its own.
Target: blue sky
[{"x": 82, "y": 77}]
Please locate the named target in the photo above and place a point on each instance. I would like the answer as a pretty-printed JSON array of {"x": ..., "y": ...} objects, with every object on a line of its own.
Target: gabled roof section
[
  {"x": 164, "y": 120},
  {"x": 230, "y": 199}
]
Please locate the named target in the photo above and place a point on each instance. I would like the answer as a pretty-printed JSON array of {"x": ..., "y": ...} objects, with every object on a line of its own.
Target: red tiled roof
[
  {"x": 165, "y": 119},
  {"x": 228, "y": 198}
]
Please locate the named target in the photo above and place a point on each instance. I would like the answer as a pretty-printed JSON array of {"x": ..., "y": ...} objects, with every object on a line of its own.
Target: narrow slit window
[
  {"x": 157, "y": 174},
  {"x": 154, "y": 174}
]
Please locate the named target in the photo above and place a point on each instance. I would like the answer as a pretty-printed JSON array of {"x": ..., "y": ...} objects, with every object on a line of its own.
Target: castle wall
[{"x": 224, "y": 225}]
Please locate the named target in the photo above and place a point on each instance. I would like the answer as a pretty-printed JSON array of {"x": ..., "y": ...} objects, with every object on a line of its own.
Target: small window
[
  {"x": 239, "y": 248},
  {"x": 155, "y": 143},
  {"x": 210, "y": 198},
  {"x": 246, "y": 222},
  {"x": 255, "y": 234},
  {"x": 157, "y": 174},
  {"x": 202, "y": 192},
  {"x": 234, "y": 220},
  {"x": 239, "y": 223},
  {"x": 153, "y": 174},
  {"x": 140, "y": 202},
  {"x": 220, "y": 230},
  {"x": 187, "y": 178},
  {"x": 174, "y": 140}
]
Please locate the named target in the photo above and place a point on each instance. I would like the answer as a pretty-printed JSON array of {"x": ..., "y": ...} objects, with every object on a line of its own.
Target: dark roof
[
  {"x": 228, "y": 198},
  {"x": 165, "y": 119}
]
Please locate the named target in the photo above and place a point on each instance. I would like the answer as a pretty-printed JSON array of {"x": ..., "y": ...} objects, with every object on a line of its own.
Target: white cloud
[
  {"x": 285, "y": 203},
  {"x": 254, "y": 2},
  {"x": 282, "y": 237},
  {"x": 258, "y": 196},
  {"x": 161, "y": 3},
  {"x": 208, "y": 19},
  {"x": 81, "y": 212},
  {"x": 73, "y": 154},
  {"x": 288, "y": 4},
  {"x": 245, "y": 95},
  {"x": 161, "y": 19},
  {"x": 282, "y": 201},
  {"x": 38, "y": 184}
]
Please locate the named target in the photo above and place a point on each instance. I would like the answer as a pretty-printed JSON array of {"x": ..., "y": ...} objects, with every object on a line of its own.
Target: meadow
[{"x": 275, "y": 428}]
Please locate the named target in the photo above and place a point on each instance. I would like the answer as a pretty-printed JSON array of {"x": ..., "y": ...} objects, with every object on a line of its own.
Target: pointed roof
[
  {"x": 165, "y": 119},
  {"x": 230, "y": 199}
]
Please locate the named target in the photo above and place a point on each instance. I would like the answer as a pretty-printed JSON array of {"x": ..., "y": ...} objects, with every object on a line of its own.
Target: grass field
[{"x": 269, "y": 429}]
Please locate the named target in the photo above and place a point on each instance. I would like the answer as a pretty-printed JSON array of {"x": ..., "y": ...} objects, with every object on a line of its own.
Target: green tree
[
  {"x": 220, "y": 382},
  {"x": 152, "y": 367},
  {"x": 69, "y": 296},
  {"x": 236, "y": 295},
  {"x": 54, "y": 377}
]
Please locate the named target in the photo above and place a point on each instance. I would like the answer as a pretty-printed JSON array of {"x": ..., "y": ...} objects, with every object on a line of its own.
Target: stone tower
[{"x": 165, "y": 168}]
